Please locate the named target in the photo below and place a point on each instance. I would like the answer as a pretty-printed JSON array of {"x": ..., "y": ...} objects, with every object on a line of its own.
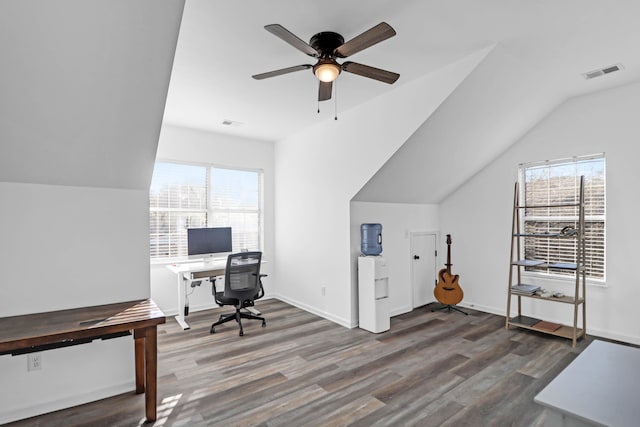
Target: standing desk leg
[
  {"x": 151, "y": 371},
  {"x": 182, "y": 299},
  {"x": 138, "y": 339}
]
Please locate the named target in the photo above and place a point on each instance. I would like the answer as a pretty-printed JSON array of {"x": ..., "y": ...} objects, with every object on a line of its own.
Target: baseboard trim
[
  {"x": 67, "y": 402},
  {"x": 313, "y": 310}
]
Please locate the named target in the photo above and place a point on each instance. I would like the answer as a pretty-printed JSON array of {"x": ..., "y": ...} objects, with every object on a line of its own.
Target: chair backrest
[{"x": 242, "y": 275}]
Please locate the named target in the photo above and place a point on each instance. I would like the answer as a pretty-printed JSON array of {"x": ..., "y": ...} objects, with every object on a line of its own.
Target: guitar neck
[{"x": 448, "y": 264}]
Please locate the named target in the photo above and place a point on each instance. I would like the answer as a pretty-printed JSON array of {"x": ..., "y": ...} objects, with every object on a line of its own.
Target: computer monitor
[{"x": 209, "y": 241}]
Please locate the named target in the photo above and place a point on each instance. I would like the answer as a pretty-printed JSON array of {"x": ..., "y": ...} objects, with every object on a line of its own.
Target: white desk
[
  {"x": 599, "y": 388},
  {"x": 187, "y": 273}
]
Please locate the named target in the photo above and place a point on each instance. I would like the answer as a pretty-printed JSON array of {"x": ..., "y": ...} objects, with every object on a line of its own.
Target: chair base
[{"x": 237, "y": 316}]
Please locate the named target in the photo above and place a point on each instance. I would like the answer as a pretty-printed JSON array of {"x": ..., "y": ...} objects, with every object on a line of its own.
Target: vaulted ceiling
[
  {"x": 82, "y": 89},
  {"x": 543, "y": 46},
  {"x": 83, "y": 82}
]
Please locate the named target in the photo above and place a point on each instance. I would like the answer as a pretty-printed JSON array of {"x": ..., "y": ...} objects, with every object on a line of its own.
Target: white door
[{"x": 423, "y": 267}]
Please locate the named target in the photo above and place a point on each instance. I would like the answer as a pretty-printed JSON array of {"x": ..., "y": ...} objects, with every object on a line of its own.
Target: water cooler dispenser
[
  {"x": 371, "y": 239},
  {"x": 373, "y": 293}
]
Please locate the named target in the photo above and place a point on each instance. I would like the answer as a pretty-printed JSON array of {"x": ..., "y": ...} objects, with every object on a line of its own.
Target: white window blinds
[
  {"x": 558, "y": 182},
  {"x": 185, "y": 196},
  {"x": 235, "y": 203}
]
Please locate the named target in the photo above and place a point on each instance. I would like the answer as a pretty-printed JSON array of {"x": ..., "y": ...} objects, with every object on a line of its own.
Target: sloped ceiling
[
  {"x": 83, "y": 82},
  {"x": 541, "y": 48},
  {"x": 486, "y": 113},
  {"x": 501, "y": 100},
  {"x": 82, "y": 89},
  {"x": 222, "y": 44}
]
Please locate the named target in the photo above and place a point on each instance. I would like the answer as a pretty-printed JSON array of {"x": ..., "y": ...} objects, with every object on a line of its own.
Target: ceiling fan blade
[
  {"x": 281, "y": 71},
  {"x": 370, "y": 72},
  {"x": 324, "y": 92},
  {"x": 374, "y": 35},
  {"x": 286, "y": 35}
]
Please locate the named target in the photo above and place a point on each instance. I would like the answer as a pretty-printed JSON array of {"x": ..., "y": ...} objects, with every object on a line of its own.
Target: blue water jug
[{"x": 371, "y": 239}]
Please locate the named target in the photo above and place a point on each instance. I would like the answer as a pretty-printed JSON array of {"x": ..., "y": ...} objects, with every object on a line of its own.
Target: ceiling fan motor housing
[
  {"x": 326, "y": 69},
  {"x": 326, "y": 42}
]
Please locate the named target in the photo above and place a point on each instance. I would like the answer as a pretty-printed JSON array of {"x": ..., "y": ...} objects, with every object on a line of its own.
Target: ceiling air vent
[{"x": 602, "y": 71}]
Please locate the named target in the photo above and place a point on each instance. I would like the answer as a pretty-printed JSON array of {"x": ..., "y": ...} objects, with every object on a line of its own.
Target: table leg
[
  {"x": 182, "y": 298},
  {"x": 151, "y": 372},
  {"x": 138, "y": 338}
]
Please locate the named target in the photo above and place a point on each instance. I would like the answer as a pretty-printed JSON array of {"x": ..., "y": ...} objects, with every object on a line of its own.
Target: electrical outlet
[
  {"x": 323, "y": 290},
  {"x": 34, "y": 361}
]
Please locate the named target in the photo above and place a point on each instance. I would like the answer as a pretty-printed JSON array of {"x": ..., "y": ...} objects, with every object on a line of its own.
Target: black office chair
[{"x": 242, "y": 286}]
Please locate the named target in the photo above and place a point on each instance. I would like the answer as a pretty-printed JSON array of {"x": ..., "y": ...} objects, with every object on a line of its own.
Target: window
[
  {"x": 557, "y": 182},
  {"x": 185, "y": 196}
]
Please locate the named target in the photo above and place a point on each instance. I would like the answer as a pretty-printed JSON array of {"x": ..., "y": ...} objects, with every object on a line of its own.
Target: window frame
[
  {"x": 208, "y": 210},
  {"x": 550, "y": 275}
]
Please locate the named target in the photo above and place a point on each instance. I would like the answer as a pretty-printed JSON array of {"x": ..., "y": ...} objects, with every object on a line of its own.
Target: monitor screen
[{"x": 209, "y": 240}]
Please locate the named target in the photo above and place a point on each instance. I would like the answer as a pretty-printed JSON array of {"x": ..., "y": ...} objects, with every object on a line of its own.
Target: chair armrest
[
  {"x": 261, "y": 291},
  {"x": 214, "y": 291}
]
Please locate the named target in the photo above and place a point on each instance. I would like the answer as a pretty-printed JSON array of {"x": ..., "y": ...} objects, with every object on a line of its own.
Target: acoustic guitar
[{"x": 448, "y": 291}]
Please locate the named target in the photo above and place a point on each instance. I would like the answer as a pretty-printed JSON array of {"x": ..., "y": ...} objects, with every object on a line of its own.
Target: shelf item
[
  {"x": 528, "y": 262},
  {"x": 547, "y": 326},
  {"x": 564, "y": 299},
  {"x": 563, "y": 265},
  {"x": 524, "y": 289},
  {"x": 517, "y": 289}
]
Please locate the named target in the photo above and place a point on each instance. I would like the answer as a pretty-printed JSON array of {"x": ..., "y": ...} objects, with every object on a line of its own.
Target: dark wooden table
[{"x": 44, "y": 331}]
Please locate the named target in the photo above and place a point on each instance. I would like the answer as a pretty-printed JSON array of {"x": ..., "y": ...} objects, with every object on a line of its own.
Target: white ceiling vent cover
[{"x": 602, "y": 71}]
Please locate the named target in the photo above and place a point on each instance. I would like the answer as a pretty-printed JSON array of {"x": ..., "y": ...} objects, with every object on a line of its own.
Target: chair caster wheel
[
  {"x": 241, "y": 333},
  {"x": 264, "y": 324},
  {"x": 213, "y": 330}
]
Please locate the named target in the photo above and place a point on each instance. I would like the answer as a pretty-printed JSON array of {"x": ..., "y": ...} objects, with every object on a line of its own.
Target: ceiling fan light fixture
[{"x": 326, "y": 71}]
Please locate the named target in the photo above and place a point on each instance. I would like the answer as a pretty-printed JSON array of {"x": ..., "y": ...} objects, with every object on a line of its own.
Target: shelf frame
[{"x": 578, "y": 300}]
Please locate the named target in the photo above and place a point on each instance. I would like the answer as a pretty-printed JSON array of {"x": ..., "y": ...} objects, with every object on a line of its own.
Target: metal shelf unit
[{"x": 516, "y": 266}]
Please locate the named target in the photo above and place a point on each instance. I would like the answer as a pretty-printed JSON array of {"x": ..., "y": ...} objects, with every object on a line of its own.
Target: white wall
[
  {"x": 478, "y": 215},
  {"x": 398, "y": 220},
  {"x": 83, "y": 90},
  {"x": 66, "y": 247},
  {"x": 319, "y": 170},
  {"x": 178, "y": 143}
]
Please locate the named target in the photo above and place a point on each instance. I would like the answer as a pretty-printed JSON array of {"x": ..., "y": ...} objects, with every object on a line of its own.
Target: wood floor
[{"x": 430, "y": 369}]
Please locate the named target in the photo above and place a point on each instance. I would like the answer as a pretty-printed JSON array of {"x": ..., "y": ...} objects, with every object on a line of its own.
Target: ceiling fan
[{"x": 327, "y": 46}]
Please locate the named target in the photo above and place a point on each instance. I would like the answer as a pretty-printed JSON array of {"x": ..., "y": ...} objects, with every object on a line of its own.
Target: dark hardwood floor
[{"x": 430, "y": 369}]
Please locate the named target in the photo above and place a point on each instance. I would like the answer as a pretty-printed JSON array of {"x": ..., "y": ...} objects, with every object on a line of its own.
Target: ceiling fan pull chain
[{"x": 335, "y": 100}]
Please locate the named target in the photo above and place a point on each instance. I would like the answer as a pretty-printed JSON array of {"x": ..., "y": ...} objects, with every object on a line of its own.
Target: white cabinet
[{"x": 373, "y": 293}]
